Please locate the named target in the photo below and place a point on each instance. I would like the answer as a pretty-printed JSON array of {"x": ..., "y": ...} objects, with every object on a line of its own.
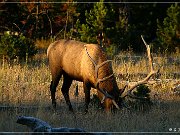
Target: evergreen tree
[
  {"x": 94, "y": 23},
  {"x": 168, "y": 31},
  {"x": 109, "y": 19},
  {"x": 121, "y": 23},
  {"x": 142, "y": 21},
  {"x": 118, "y": 31}
]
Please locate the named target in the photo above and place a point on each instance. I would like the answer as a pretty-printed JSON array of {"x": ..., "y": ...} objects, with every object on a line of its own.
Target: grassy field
[{"x": 24, "y": 90}]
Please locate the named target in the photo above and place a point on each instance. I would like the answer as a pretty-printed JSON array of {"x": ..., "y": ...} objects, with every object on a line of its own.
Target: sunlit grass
[{"x": 26, "y": 86}]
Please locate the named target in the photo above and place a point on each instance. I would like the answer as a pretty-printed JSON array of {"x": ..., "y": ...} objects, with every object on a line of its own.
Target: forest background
[{"x": 118, "y": 24}]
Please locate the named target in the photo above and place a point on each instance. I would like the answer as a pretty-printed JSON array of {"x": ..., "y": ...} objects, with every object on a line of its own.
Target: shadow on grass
[{"x": 161, "y": 116}]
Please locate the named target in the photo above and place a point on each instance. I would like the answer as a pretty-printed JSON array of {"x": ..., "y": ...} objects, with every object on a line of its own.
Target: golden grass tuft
[{"x": 24, "y": 90}]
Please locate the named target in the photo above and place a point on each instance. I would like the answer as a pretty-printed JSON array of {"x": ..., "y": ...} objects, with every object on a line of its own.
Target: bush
[
  {"x": 111, "y": 51},
  {"x": 13, "y": 46},
  {"x": 142, "y": 91}
]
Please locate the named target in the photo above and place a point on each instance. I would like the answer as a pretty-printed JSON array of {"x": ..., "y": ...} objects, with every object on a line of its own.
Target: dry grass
[{"x": 24, "y": 90}]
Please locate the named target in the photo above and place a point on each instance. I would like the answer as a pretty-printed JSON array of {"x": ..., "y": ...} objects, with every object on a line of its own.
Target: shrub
[
  {"x": 111, "y": 50},
  {"x": 145, "y": 103},
  {"x": 143, "y": 91},
  {"x": 13, "y": 46}
]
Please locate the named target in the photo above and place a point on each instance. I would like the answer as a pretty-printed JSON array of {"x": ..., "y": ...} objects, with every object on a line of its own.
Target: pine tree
[
  {"x": 94, "y": 24},
  {"x": 168, "y": 32},
  {"x": 109, "y": 19}
]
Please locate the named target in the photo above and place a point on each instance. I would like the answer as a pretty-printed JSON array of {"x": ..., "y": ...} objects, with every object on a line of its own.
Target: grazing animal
[
  {"x": 89, "y": 64},
  {"x": 86, "y": 63}
]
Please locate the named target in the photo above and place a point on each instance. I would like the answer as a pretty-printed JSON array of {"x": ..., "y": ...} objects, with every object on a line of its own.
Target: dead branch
[{"x": 146, "y": 79}]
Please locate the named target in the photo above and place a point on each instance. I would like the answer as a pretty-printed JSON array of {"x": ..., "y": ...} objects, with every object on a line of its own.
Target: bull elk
[{"x": 89, "y": 64}]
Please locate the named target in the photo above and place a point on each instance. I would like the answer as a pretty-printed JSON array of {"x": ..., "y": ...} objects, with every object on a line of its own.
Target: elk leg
[
  {"x": 54, "y": 83},
  {"x": 87, "y": 88},
  {"x": 53, "y": 91},
  {"x": 65, "y": 90}
]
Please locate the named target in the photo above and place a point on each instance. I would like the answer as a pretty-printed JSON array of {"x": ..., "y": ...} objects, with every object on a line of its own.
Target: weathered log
[{"x": 37, "y": 125}]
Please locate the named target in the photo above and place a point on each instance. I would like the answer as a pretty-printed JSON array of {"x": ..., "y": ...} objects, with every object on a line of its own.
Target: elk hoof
[
  {"x": 85, "y": 111},
  {"x": 54, "y": 105},
  {"x": 71, "y": 109}
]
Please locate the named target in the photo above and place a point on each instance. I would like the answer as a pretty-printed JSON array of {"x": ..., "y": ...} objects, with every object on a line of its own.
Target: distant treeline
[{"x": 117, "y": 24}]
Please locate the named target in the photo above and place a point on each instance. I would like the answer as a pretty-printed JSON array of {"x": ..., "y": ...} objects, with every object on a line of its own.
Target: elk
[{"x": 89, "y": 64}]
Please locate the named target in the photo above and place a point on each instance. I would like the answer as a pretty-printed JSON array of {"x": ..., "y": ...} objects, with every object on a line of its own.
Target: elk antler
[
  {"x": 96, "y": 66},
  {"x": 145, "y": 80}
]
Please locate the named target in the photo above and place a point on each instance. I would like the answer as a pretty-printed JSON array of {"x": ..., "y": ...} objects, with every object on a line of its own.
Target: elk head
[{"x": 106, "y": 95}]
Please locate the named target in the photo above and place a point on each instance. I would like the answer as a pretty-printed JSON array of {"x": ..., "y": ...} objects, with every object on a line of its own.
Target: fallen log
[{"x": 37, "y": 125}]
